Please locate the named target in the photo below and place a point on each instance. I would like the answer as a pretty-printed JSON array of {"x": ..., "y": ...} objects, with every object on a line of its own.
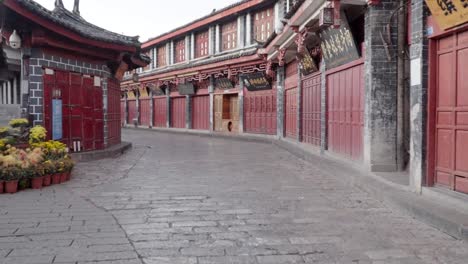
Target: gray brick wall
[
  {"x": 418, "y": 94},
  {"x": 380, "y": 90}
]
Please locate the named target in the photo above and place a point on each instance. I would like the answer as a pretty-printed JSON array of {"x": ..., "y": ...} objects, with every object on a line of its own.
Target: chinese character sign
[
  {"x": 57, "y": 129},
  {"x": 449, "y": 13},
  {"x": 308, "y": 64},
  {"x": 338, "y": 46},
  {"x": 256, "y": 81}
]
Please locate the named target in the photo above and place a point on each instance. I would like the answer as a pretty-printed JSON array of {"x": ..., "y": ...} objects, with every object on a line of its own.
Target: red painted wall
[
  {"x": 145, "y": 111},
  {"x": 290, "y": 112},
  {"x": 311, "y": 109},
  {"x": 178, "y": 112},
  {"x": 132, "y": 111},
  {"x": 346, "y": 110},
  {"x": 160, "y": 111},
  {"x": 260, "y": 112},
  {"x": 201, "y": 112}
]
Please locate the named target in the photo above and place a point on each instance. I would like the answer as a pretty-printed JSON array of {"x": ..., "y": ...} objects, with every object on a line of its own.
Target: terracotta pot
[
  {"x": 63, "y": 177},
  {"x": 36, "y": 183},
  {"x": 68, "y": 176},
  {"x": 56, "y": 178},
  {"x": 2, "y": 183},
  {"x": 11, "y": 186},
  {"x": 47, "y": 180}
]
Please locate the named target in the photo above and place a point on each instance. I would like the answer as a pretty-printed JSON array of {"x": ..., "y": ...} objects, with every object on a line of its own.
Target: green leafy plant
[{"x": 19, "y": 123}]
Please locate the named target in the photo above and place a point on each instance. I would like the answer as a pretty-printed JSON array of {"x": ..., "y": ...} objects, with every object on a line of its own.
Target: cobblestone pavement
[{"x": 178, "y": 199}]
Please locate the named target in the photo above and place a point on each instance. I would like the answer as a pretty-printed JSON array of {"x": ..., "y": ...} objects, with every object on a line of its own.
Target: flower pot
[
  {"x": 11, "y": 186},
  {"x": 36, "y": 183},
  {"x": 47, "y": 180},
  {"x": 2, "y": 183},
  {"x": 63, "y": 177},
  {"x": 56, "y": 178}
]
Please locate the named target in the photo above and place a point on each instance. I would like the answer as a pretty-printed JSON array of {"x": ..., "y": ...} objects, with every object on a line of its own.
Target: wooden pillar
[
  {"x": 299, "y": 103},
  {"x": 188, "y": 112},
  {"x": 323, "y": 110},
  {"x": 241, "y": 106},
  {"x": 126, "y": 109},
  {"x": 211, "y": 89},
  {"x": 151, "y": 124},
  {"x": 280, "y": 101},
  {"x": 168, "y": 107}
]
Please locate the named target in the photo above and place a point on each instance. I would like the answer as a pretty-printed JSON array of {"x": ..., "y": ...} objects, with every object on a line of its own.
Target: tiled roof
[{"x": 77, "y": 24}]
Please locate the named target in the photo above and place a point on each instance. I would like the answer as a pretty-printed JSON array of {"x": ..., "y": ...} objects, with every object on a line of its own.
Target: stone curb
[
  {"x": 102, "y": 154},
  {"x": 431, "y": 211}
]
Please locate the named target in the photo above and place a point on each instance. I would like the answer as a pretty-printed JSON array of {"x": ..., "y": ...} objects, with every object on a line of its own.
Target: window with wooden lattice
[
  {"x": 263, "y": 24},
  {"x": 179, "y": 50},
  {"x": 229, "y": 35},
  {"x": 201, "y": 44},
  {"x": 147, "y": 53},
  {"x": 162, "y": 59}
]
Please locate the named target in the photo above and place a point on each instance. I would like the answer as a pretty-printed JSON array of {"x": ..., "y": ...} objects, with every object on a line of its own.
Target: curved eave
[
  {"x": 16, "y": 7},
  {"x": 307, "y": 12}
]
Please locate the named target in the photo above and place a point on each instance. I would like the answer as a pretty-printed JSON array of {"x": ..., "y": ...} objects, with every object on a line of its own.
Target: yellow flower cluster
[
  {"x": 37, "y": 134},
  {"x": 3, "y": 130},
  {"x": 19, "y": 122}
]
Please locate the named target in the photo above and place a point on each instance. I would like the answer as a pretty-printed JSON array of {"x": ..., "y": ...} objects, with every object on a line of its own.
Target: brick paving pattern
[{"x": 191, "y": 200}]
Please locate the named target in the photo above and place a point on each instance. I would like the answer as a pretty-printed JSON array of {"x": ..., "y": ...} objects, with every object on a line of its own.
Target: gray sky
[{"x": 146, "y": 18}]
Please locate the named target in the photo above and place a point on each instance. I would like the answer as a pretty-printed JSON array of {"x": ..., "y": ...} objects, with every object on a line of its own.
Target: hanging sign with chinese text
[
  {"x": 57, "y": 129},
  {"x": 256, "y": 81},
  {"x": 338, "y": 45},
  {"x": 186, "y": 89},
  {"x": 224, "y": 84},
  {"x": 449, "y": 13},
  {"x": 308, "y": 64}
]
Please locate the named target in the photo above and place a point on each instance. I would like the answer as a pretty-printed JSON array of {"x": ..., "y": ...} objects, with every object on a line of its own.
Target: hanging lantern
[
  {"x": 15, "y": 40},
  {"x": 373, "y": 2}
]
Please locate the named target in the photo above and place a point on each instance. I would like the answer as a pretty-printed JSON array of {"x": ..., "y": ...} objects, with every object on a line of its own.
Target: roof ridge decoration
[{"x": 74, "y": 22}]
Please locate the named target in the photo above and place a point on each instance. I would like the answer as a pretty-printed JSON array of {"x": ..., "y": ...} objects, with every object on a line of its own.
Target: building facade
[
  {"x": 377, "y": 83},
  {"x": 64, "y": 73}
]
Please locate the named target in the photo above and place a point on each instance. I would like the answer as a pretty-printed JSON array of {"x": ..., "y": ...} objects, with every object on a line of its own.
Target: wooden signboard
[
  {"x": 449, "y": 13},
  {"x": 308, "y": 64},
  {"x": 186, "y": 89},
  {"x": 256, "y": 81},
  {"x": 224, "y": 84},
  {"x": 338, "y": 45}
]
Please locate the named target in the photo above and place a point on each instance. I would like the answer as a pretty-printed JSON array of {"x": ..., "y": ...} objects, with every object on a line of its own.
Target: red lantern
[{"x": 373, "y": 2}]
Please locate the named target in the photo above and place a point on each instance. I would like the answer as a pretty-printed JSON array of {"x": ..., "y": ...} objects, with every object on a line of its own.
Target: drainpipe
[{"x": 401, "y": 86}]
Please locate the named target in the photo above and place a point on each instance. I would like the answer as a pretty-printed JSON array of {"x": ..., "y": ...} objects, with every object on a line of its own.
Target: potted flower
[
  {"x": 37, "y": 176},
  {"x": 49, "y": 170},
  {"x": 3, "y": 132},
  {"x": 11, "y": 174},
  {"x": 69, "y": 164},
  {"x": 58, "y": 169}
]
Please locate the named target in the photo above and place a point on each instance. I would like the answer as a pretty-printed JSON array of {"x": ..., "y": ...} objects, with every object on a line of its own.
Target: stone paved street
[{"x": 178, "y": 199}]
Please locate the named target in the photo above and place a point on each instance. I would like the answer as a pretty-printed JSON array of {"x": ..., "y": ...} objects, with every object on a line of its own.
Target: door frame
[{"x": 432, "y": 103}]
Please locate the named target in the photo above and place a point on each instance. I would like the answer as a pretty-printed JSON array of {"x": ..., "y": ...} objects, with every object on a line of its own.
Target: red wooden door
[
  {"x": 99, "y": 114},
  {"x": 346, "y": 110},
  {"x": 178, "y": 112},
  {"x": 49, "y": 87},
  {"x": 201, "y": 112},
  {"x": 76, "y": 109},
  {"x": 451, "y": 117},
  {"x": 160, "y": 111},
  {"x": 290, "y": 113},
  {"x": 260, "y": 112},
  {"x": 113, "y": 112},
  {"x": 145, "y": 111},
  {"x": 88, "y": 113},
  {"x": 132, "y": 110},
  {"x": 311, "y": 109}
]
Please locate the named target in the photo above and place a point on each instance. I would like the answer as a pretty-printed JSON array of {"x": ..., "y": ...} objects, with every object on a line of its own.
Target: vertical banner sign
[
  {"x": 338, "y": 45},
  {"x": 449, "y": 13},
  {"x": 57, "y": 128},
  {"x": 308, "y": 64}
]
